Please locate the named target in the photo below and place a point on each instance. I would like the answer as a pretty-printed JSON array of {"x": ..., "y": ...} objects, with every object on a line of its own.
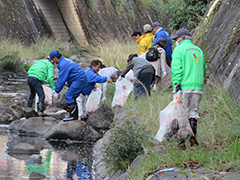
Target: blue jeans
[
  {"x": 35, "y": 87},
  {"x": 142, "y": 88},
  {"x": 74, "y": 90}
]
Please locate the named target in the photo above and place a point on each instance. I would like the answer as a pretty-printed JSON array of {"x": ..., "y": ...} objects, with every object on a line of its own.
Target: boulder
[
  {"x": 67, "y": 130},
  {"x": 34, "y": 126},
  {"x": 101, "y": 118},
  {"x": 91, "y": 134}
]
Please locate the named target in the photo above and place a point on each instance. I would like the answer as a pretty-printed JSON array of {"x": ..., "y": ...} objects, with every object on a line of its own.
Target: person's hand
[
  {"x": 109, "y": 80},
  {"x": 120, "y": 78},
  {"x": 178, "y": 87},
  {"x": 164, "y": 74},
  {"x": 53, "y": 92}
]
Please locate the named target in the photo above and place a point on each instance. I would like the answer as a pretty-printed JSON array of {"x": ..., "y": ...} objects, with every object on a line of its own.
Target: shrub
[
  {"x": 125, "y": 145},
  {"x": 184, "y": 13},
  {"x": 11, "y": 63}
]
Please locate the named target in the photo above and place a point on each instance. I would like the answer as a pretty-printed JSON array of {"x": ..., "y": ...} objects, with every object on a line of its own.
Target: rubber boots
[
  {"x": 193, "y": 124},
  {"x": 40, "y": 109},
  {"x": 73, "y": 112}
]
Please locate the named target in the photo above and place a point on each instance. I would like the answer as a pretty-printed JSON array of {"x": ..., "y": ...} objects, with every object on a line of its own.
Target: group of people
[
  {"x": 76, "y": 79},
  {"x": 187, "y": 65},
  {"x": 186, "y": 61}
]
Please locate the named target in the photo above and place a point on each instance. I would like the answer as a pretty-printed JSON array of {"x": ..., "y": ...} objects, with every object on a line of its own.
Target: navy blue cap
[
  {"x": 53, "y": 53},
  {"x": 181, "y": 32},
  {"x": 155, "y": 24}
]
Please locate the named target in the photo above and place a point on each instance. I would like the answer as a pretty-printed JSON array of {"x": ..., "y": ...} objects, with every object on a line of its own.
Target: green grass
[
  {"x": 218, "y": 127},
  {"x": 218, "y": 134},
  {"x": 37, "y": 50}
]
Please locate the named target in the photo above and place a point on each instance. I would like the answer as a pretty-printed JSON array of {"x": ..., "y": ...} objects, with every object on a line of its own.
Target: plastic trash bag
[
  {"x": 48, "y": 96},
  {"x": 130, "y": 76},
  {"x": 122, "y": 90},
  {"x": 173, "y": 120},
  {"x": 167, "y": 80},
  {"x": 93, "y": 100}
]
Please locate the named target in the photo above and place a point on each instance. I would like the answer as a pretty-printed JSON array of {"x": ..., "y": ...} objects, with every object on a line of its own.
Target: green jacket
[
  {"x": 188, "y": 66},
  {"x": 43, "y": 70}
]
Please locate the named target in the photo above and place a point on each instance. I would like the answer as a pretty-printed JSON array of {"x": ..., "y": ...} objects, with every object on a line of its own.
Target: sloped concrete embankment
[{"x": 222, "y": 46}]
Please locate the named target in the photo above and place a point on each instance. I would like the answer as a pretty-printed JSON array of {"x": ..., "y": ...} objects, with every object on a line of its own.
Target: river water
[{"x": 52, "y": 161}]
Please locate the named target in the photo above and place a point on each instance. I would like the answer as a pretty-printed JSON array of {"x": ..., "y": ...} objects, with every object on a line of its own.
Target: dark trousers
[
  {"x": 36, "y": 87},
  {"x": 142, "y": 85}
]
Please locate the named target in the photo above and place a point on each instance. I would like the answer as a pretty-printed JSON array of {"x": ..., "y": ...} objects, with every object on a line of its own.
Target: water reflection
[{"x": 34, "y": 158}]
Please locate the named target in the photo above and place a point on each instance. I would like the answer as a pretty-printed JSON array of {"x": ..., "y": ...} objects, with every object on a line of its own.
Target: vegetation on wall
[{"x": 184, "y": 13}]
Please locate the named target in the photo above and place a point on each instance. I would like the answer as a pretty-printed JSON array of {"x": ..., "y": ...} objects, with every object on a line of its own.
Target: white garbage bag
[
  {"x": 122, "y": 90},
  {"x": 48, "y": 96},
  {"x": 129, "y": 76},
  {"x": 93, "y": 100},
  {"x": 167, "y": 80},
  {"x": 173, "y": 120}
]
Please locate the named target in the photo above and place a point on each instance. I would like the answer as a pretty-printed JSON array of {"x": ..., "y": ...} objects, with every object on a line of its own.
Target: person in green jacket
[
  {"x": 40, "y": 71},
  {"x": 188, "y": 70}
]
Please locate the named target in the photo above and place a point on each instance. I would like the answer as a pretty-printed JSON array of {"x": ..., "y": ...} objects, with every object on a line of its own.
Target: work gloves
[{"x": 178, "y": 87}]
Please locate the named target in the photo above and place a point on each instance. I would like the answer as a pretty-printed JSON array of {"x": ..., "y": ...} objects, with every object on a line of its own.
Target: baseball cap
[
  {"x": 155, "y": 24},
  {"x": 181, "y": 32},
  {"x": 147, "y": 27},
  {"x": 53, "y": 53}
]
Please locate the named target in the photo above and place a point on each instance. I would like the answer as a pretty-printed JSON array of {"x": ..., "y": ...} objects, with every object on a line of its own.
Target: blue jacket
[
  {"x": 164, "y": 34},
  {"x": 68, "y": 72},
  {"x": 93, "y": 78}
]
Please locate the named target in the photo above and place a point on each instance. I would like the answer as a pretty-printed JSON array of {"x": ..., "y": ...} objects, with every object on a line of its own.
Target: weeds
[
  {"x": 125, "y": 144},
  {"x": 218, "y": 135},
  {"x": 38, "y": 50}
]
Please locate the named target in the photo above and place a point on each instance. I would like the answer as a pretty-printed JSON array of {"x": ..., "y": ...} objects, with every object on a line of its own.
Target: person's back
[
  {"x": 68, "y": 72},
  {"x": 145, "y": 43},
  {"x": 161, "y": 33},
  {"x": 193, "y": 66},
  {"x": 43, "y": 70}
]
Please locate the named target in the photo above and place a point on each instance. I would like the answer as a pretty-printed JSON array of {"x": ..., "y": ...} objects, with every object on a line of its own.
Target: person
[
  {"x": 161, "y": 33},
  {"x": 160, "y": 64},
  {"x": 39, "y": 72},
  {"x": 143, "y": 71},
  {"x": 112, "y": 73},
  {"x": 147, "y": 40},
  {"x": 76, "y": 79},
  {"x": 188, "y": 70},
  {"x": 93, "y": 78},
  {"x": 137, "y": 36}
]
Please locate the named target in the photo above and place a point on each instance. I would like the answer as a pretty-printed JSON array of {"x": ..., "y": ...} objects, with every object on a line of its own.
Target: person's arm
[
  {"x": 50, "y": 76},
  {"x": 129, "y": 66},
  {"x": 177, "y": 71},
  {"x": 62, "y": 78}
]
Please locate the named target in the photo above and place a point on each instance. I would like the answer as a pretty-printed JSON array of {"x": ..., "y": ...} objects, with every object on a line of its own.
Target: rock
[
  {"x": 36, "y": 176},
  {"x": 33, "y": 126},
  {"x": 91, "y": 134},
  {"x": 35, "y": 159},
  {"x": 23, "y": 148},
  {"x": 101, "y": 118},
  {"x": 67, "y": 130}
]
